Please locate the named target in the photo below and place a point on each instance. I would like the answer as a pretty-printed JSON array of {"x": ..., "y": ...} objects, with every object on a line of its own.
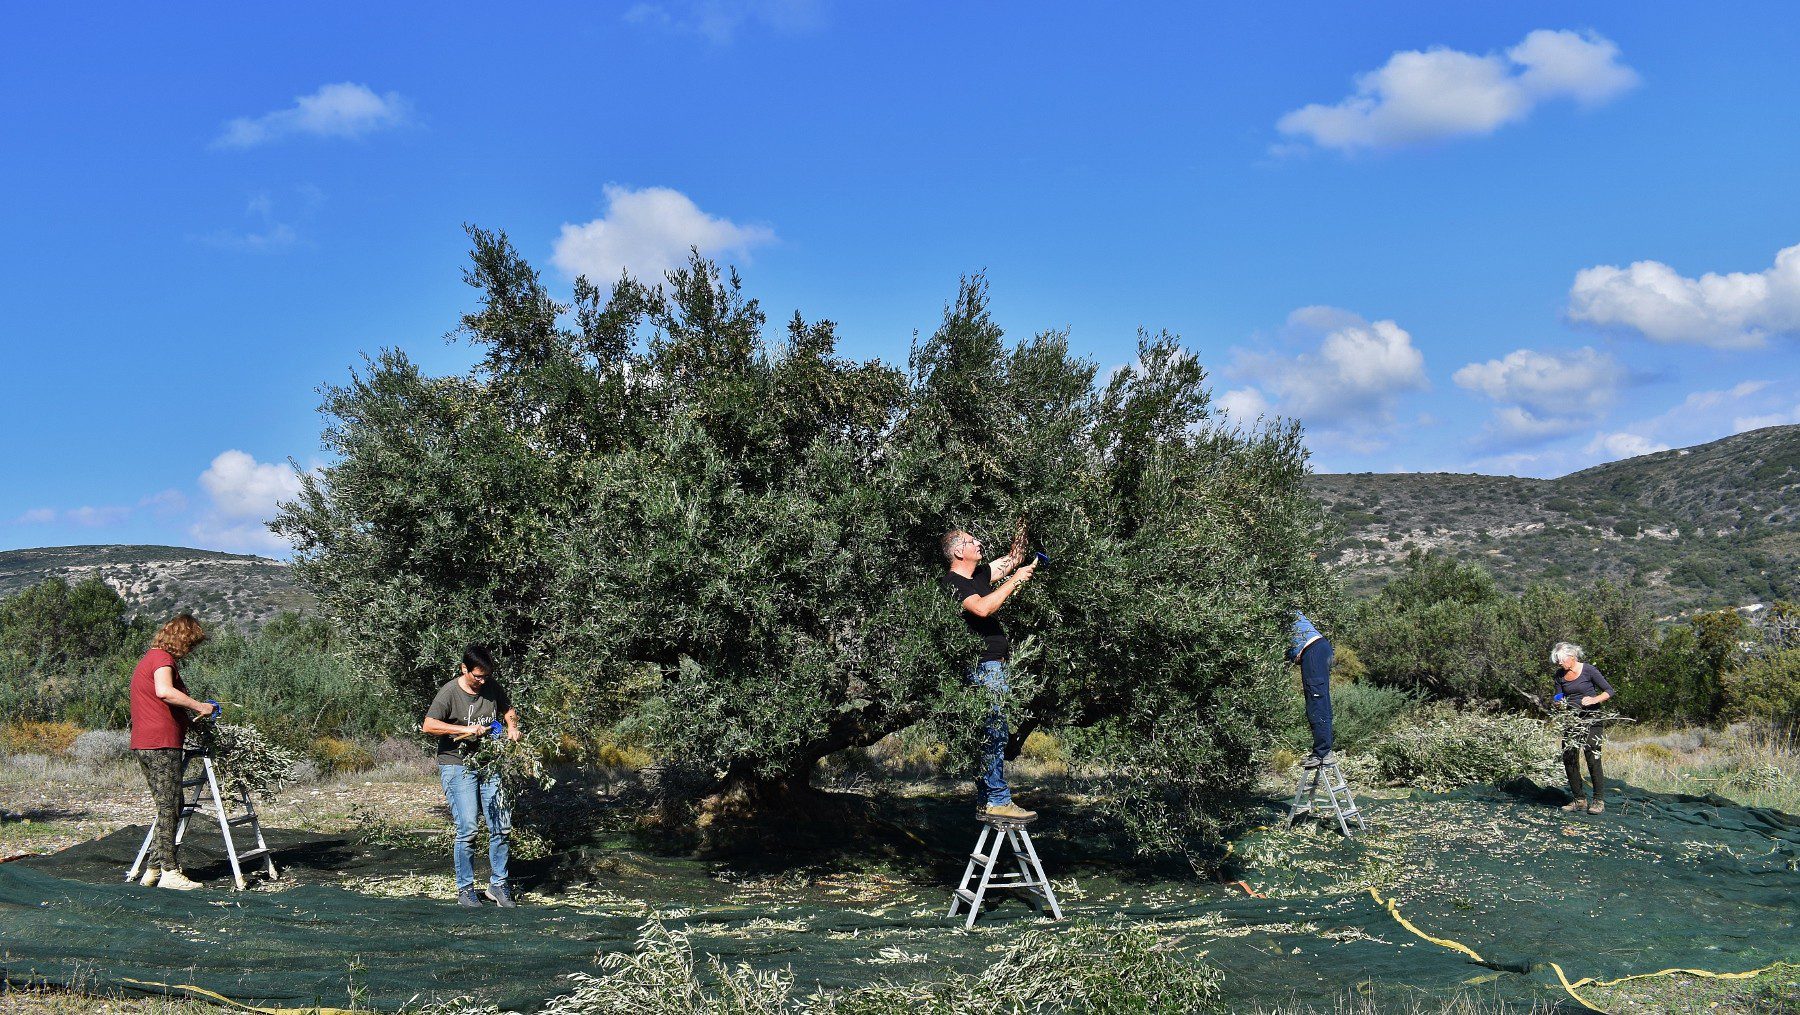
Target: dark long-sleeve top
[{"x": 1586, "y": 684}]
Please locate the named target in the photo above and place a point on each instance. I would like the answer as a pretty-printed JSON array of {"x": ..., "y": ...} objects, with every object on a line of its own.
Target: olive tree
[{"x": 667, "y": 521}]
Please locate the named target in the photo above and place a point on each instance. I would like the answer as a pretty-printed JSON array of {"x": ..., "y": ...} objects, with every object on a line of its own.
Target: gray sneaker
[
  {"x": 1315, "y": 760},
  {"x": 468, "y": 897},
  {"x": 501, "y": 895}
]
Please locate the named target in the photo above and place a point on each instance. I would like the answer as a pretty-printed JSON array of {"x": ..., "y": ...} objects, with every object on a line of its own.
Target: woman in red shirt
[{"x": 160, "y": 714}]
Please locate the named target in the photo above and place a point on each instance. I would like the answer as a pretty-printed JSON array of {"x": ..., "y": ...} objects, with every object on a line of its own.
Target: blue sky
[{"x": 1519, "y": 238}]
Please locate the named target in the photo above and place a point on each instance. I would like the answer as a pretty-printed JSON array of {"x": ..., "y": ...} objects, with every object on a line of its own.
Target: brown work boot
[
  {"x": 1578, "y": 804},
  {"x": 1597, "y": 807},
  {"x": 1010, "y": 812}
]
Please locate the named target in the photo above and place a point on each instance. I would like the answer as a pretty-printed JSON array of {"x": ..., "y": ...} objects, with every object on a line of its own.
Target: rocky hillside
[
  {"x": 1708, "y": 526},
  {"x": 164, "y": 580}
]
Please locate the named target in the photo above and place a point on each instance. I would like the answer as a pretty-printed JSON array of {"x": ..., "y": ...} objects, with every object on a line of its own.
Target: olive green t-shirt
[{"x": 460, "y": 708}]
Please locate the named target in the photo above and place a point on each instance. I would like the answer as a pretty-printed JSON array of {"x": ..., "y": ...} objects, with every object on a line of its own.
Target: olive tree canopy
[{"x": 666, "y": 521}]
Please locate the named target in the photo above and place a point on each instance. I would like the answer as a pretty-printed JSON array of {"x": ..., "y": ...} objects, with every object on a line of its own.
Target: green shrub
[
  {"x": 1767, "y": 687},
  {"x": 1362, "y": 714},
  {"x": 1044, "y": 748},
  {"x": 341, "y": 756},
  {"x": 1440, "y": 747}
]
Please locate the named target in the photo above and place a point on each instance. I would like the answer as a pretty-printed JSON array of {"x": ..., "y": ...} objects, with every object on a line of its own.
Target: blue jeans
[
  {"x": 1315, "y": 680},
  {"x": 469, "y": 798},
  {"x": 990, "y": 782}
]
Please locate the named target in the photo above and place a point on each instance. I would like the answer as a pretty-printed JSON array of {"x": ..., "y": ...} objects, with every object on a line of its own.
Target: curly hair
[{"x": 179, "y": 636}]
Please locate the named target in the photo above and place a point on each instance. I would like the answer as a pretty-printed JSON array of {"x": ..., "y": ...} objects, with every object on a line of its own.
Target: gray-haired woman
[{"x": 1581, "y": 686}]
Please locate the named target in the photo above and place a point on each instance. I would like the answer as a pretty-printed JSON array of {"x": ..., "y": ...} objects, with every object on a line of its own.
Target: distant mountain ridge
[
  {"x": 1704, "y": 527},
  {"x": 160, "y": 581}
]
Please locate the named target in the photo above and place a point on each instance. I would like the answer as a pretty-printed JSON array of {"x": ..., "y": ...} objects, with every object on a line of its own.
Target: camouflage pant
[
  {"x": 1586, "y": 741},
  {"x": 162, "y": 770}
]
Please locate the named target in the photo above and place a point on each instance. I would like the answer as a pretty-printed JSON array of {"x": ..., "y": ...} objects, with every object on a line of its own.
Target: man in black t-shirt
[{"x": 970, "y": 583}]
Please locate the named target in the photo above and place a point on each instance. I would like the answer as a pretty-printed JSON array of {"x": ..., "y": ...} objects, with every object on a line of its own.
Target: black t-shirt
[
  {"x": 1587, "y": 684},
  {"x": 994, "y": 644}
]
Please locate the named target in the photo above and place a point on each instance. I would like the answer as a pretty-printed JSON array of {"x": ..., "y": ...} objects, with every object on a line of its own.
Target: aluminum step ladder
[
  {"x": 201, "y": 795},
  {"x": 997, "y": 835},
  {"x": 1343, "y": 805}
]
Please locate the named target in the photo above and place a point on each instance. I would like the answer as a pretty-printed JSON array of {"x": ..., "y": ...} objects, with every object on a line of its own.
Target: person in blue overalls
[{"x": 1313, "y": 652}]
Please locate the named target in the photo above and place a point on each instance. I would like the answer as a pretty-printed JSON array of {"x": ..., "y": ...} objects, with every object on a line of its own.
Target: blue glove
[
  {"x": 218, "y": 710},
  {"x": 1558, "y": 698},
  {"x": 496, "y": 729}
]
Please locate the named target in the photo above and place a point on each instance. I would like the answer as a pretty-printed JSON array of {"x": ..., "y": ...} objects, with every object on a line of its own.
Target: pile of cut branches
[{"x": 244, "y": 760}]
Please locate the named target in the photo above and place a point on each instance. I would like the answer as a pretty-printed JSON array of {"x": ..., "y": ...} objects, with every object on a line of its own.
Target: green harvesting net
[{"x": 1485, "y": 890}]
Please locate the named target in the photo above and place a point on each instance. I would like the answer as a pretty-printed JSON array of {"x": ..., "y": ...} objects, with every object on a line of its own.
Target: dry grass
[
  {"x": 52, "y": 803},
  {"x": 1756, "y": 766},
  {"x": 56, "y": 1001}
]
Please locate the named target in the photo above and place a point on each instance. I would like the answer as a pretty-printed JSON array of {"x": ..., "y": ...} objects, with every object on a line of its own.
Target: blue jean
[
  {"x": 1315, "y": 680},
  {"x": 470, "y": 798},
  {"x": 990, "y": 782}
]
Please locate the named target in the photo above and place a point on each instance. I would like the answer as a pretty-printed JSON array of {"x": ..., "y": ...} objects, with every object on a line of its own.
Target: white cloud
[
  {"x": 346, "y": 110},
  {"x": 242, "y": 487},
  {"x": 719, "y": 21},
  {"x": 1440, "y": 92},
  {"x": 1244, "y": 406},
  {"x": 647, "y": 232},
  {"x": 1538, "y": 464},
  {"x": 272, "y": 238},
  {"x": 266, "y": 234},
  {"x": 1614, "y": 446},
  {"x": 165, "y": 502},
  {"x": 1740, "y": 424},
  {"x": 214, "y": 532},
  {"x": 1543, "y": 395},
  {"x": 1343, "y": 388},
  {"x": 97, "y": 517},
  {"x": 87, "y": 516},
  {"x": 245, "y": 496},
  {"x": 1702, "y": 416},
  {"x": 1736, "y": 310}
]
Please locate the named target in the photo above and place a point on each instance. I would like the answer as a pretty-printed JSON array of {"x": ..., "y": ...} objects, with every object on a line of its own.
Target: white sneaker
[
  {"x": 173, "y": 878},
  {"x": 150, "y": 876}
]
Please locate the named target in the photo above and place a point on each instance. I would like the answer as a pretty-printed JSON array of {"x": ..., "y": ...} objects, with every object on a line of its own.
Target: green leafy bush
[
  {"x": 1362, "y": 714},
  {"x": 1767, "y": 687}
]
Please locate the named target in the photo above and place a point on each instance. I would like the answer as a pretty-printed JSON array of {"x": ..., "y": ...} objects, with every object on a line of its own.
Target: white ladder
[
  {"x": 204, "y": 785},
  {"x": 1029, "y": 878},
  {"x": 1306, "y": 796}
]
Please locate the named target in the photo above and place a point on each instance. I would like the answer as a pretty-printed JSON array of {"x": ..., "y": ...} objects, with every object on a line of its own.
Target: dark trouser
[
  {"x": 1315, "y": 681},
  {"x": 1587, "y": 742},
  {"x": 162, "y": 770}
]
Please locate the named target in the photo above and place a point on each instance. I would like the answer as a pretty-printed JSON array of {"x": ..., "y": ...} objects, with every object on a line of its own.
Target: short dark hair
[
  {"x": 477, "y": 657},
  {"x": 948, "y": 543}
]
